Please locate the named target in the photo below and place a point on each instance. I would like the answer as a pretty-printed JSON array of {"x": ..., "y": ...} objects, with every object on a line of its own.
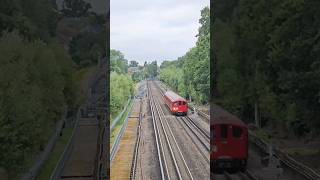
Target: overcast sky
[{"x": 147, "y": 30}]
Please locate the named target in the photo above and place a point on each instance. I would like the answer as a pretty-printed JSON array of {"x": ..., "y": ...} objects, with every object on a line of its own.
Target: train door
[
  {"x": 223, "y": 145},
  {"x": 238, "y": 141}
]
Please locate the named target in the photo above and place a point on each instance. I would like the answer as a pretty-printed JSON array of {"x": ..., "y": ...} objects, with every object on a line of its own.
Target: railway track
[
  {"x": 205, "y": 116},
  {"x": 137, "y": 145},
  {"x": 200, "y": 139},
  {"x": 171, "y": 160},
  {"x": 287, "y": 160},
  {"x": 234, "y": 176}
]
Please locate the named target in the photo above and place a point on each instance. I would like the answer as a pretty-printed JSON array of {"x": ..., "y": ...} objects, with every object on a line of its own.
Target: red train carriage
[
  {"x": 229, "y": 140},
  {"x": 177, "y": 105}
]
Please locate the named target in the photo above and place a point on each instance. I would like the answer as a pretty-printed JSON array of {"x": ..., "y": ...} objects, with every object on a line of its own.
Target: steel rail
[
  {"x": 203, "y": 144},
  {"x": 250, "y": 175},
  {"x": 167, "y": 140},
  {"x": 175, "y": 141},
  {"x": 207, "y": 138},
  {"x": 202, "y": 114},
  {"x": 205, "y": 134},
  {"x": 136, "y": 148},
  {"x": 156, "y": 132},
  {"x": 286, "y": 159}
]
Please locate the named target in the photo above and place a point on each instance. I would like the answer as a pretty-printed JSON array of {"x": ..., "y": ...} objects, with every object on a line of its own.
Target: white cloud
[{"x": 159, "y": 30}]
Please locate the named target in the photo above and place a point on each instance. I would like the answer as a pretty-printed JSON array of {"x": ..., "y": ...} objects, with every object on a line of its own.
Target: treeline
[
  {"x": 90, "y": 44},
  {"x": 83, "y": 31},
  {"x": 35, "y": 81},
  {"x": 189, "y": 75},
  {"x": 121, "y": 84},
  {"x": 150, "y": 70},
  {"x": 267, "y": 62}
]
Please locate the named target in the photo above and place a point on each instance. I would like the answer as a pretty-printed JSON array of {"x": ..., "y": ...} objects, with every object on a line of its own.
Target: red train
[
  {"x": 229, "y": 141},
  {"x": 177, "y": 105}
]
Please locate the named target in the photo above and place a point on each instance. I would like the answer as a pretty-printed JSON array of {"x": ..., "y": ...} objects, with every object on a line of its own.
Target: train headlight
[{"x": 175, "y": 108}]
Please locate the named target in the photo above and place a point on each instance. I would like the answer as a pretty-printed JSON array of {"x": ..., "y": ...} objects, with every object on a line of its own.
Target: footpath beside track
[
  {"x": 85, "y": 154},
  {"x": 124, "y": 148}
]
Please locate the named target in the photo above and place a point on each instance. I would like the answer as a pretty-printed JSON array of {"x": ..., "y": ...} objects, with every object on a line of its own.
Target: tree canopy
[
  {"x": 37, "y": 84},
  {"x": 189, "y": 74},
  {"x": 121, "y": 84},
  {"x": 267, "y": 59}
]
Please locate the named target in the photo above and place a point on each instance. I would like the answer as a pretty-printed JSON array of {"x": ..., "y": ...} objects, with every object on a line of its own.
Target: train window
[
  {"x": 176, "y": 104},
  {"x": 224, "y": 131},
  {"x": 237, "y": 132},
  {"x": 183, "y": 103}
]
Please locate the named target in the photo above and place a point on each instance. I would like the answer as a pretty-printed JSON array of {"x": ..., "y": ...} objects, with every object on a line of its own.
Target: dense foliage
[
  {"x": 117, "y": 62},
  {"x": 150, "y": 70},
  {"x": 121, "y": 84},
  {"x": 89, "y": 45},
  {"x": 75, "y": 8},
  {"x": 35, "y": 86},
  {"x": 33, "y": 19},
  {"x": 267, "y": 55},
  {"x": 137, "y": 76},
  {"x": 121, "y": 89},
  {"x": 36, "y": 81},
  {"x": 189, "y": 74}
]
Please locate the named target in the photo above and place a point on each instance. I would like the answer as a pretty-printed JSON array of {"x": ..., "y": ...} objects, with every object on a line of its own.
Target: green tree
[
  {"x": 133, "y": 64},
  {"x": 35, "y": 87},
  {"x": 190, "y": 74},
  {"x": 268, "y": 50},
  {"x": 76, "y": 8},
  {"x": 121, "y": 90},
  {"x": 117, "y": 62}
]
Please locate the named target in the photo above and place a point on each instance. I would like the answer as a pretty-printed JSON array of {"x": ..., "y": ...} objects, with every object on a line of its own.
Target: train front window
[
  {"x": 183, "y": 103},
  {"x": 237, "y": 132},
  {"x": 224, "y": 131}
]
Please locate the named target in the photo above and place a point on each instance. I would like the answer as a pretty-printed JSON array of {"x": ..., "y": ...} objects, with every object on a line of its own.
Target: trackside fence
[
  {"x": 56, "y": 173},
  {"x": 117, "y": 119},
  {"x": 116, "y": 142},
  {"x": 285, "y": 158}
]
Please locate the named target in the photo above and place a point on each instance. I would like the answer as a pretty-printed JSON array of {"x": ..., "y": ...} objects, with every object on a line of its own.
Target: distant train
[
  {"x": 229, "y": 141},
  {"x": 176, "y": 104}
]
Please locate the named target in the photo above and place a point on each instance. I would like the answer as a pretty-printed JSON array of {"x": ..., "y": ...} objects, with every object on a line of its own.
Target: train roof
[
  {"x": 173, "y": 96},
  {"x": 221, "y": 116}
]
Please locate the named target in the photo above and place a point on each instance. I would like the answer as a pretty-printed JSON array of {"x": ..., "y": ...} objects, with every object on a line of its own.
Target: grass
[
  {"x": 118, "y": 126},
  {"x": 50, "y": 164}
]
